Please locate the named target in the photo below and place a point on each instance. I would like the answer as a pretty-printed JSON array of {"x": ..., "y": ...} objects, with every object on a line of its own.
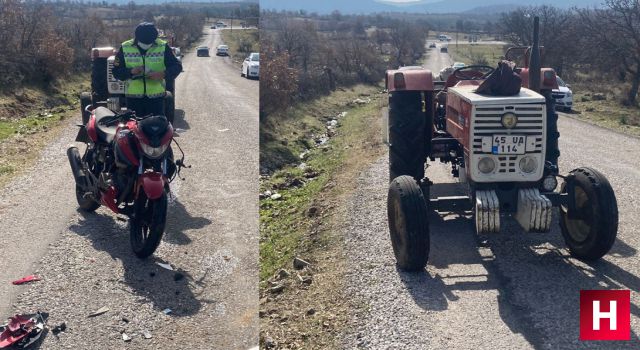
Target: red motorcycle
[{"x": 127, "y": 166}]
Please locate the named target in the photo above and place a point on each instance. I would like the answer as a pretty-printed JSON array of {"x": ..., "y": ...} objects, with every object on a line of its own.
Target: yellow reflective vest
[{"x": 152, "y": 61}]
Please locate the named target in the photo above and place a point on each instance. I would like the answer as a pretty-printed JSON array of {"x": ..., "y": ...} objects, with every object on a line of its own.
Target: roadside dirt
[{"x": 311, "y": 311}]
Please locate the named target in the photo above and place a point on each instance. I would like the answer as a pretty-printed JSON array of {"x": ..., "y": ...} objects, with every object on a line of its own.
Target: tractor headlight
[
  {"x": 509, "y": 120},
  {"x": 153, "y": 152},
  {"x": 549, "y": 183},
  {"x": 486, "y": 165},
  {"x": 528, "y": 164}
]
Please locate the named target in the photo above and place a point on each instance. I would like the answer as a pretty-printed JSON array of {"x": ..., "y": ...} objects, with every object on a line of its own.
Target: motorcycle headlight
[
  {"x": 153, "y": 152},
  {"x": 486, "y": 165},
  {"x": 528, "y": 164},
  {"x": 509, "y": 120}
]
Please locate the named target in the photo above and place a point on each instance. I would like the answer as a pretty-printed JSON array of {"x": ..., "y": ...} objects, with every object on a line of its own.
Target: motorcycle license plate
[{"x": 508, "y": 144}]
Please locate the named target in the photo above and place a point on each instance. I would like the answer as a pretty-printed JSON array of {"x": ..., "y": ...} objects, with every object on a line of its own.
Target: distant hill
[{"x": 420, "y": 6}]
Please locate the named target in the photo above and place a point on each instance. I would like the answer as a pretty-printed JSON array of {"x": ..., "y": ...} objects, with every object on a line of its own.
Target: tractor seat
[{"x": 105, "y": 133}]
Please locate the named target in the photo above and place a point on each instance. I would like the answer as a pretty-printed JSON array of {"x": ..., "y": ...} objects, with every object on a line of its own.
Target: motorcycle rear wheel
[{"x": 147, "y": 224}]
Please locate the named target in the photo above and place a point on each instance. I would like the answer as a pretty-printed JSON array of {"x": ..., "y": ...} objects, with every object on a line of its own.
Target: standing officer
[{"x": 144, "y": 63}]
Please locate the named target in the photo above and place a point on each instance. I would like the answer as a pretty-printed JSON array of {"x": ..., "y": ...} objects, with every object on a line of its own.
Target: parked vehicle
[
  {"x": 432, "y": 45},
  {"x": 457, "y": 65},
  {"x": 127, "y": 166},
  {"x": 563, "y": 96},
  {"x": 502, "y": 149},
  {"x": 251, "y": 66},
  {"x": 202, "y": 51},
  {"x": 444, "y": 49},
  {"x": 222, "y": 50}
]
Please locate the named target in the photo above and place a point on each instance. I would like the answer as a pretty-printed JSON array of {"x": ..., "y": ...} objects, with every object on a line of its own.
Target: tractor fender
[{"x": 419, "y": 79}]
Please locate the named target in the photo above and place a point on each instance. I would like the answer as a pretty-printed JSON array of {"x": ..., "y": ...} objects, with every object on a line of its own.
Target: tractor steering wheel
[{"x": 473, "y": 72}]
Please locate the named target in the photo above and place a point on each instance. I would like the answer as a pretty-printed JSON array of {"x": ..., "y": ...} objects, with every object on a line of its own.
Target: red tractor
[{"x": 504, "y": 149}]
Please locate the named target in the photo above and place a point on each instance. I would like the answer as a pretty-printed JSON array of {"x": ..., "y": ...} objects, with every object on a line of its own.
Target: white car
[
  {"x": 563, "y": 96},
  {"x": 222, "y": 50},
  {"x": 251, "y": 66},
  {"x": 457, "y": 65}
]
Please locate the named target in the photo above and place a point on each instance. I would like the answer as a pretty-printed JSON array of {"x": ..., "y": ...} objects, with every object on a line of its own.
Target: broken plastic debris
[
  {"x": 167, "y": 311},
  {"x": 165, "y": 266},
  {"x": 22, "y": 330},
  {"x": 146, "y": 334},
  {"x": 30, "y": 278},
  {"x": 223, "y": 130},
  {"x": 125, "y": 337},
  {"x": 100, "y": 311},
  {"x": 59, "y": 328}
]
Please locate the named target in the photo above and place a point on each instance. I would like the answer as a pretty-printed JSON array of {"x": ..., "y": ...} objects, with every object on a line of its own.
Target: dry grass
[{"x": 476, "y": 54}]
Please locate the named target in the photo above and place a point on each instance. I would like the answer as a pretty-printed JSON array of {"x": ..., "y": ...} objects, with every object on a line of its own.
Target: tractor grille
[
  {"x": 112, "y": 81},
  {"x": 488, "y": 122}
]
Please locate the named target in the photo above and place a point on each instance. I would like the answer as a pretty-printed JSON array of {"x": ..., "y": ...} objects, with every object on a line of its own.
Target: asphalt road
[
  {"x": 211, "y": 238},
  {"x": 512, "y": 290}
]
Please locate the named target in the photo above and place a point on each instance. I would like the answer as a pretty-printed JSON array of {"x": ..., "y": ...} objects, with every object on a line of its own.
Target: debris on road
[
  {"x": 164, "y": 266},
  {"x": 59, "y": 328},
  {"x": 223, "y": 130},
  {"x": 100, "y": 311},
  {"x": 146, "y": 334},
  {"x": 30, "y": 278},
  {"x": 167, "y": 311},
  {"x": 125, "y": 337},
  {"x": 22, "y": 330}
]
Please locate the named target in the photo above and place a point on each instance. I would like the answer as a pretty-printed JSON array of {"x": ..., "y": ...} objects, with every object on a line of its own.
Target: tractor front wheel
[
  {"x": 591, "y": 229},
  {"x": 408, "y": 223}
]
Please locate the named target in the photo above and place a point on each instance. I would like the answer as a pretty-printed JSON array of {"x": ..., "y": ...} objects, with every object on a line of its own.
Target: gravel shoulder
[{"x": 211, "y": 239}]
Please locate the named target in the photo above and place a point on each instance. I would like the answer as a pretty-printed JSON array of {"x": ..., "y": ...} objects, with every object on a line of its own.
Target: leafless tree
[{"x": 614, "y": 38}]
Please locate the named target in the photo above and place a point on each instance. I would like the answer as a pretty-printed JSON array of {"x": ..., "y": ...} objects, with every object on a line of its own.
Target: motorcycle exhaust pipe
[{"x": 76, "y": 165}]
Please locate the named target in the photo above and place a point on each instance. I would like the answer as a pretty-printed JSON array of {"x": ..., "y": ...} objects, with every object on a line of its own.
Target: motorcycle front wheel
[{"x": 147, "y": 224}]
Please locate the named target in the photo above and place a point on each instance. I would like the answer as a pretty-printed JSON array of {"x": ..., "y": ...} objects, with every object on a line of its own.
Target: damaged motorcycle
[{"x": 127, "y": 166}]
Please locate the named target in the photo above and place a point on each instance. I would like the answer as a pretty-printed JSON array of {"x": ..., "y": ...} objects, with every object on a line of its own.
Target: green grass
[
  {"x": 29, "y": 125},
  {"x": 241, "y": 42},
  {"x": 609, "y": 113},
  {"x": 476, "y": 54},
  {"x": 285, "y": 222}
]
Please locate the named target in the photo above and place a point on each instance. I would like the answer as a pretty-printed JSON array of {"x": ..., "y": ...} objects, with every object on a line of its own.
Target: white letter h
[{"x": 598, "y": 315}]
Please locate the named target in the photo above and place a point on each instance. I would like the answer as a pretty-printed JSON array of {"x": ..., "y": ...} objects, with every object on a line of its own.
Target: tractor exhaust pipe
[{"x": 534, "y": 57}]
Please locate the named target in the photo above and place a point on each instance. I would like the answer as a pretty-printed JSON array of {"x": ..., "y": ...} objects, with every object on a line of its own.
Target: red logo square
[{"x": 605, "y": 315}]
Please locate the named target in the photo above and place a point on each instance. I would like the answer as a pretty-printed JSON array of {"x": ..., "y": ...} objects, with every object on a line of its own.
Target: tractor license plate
[{"x": 508, "y": 144}]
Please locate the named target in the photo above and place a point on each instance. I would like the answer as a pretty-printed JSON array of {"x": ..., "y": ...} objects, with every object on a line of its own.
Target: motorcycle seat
[{"x": 105, "y": 132}]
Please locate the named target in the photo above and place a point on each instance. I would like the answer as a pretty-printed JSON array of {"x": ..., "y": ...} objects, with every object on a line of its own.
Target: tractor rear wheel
[
  {"x": 99, "y": 84},
  {"x": 169, "y": 106},
  {"x": 592, "y": 230},
  {"x": 553, "y": 150},
  {"x": 408, "y": 135},
  {"x": 408, "y": 223}
]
